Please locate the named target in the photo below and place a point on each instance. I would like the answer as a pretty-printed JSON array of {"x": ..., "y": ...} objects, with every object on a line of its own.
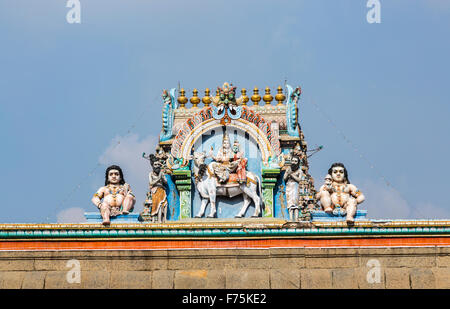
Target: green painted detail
[
  {"x": 185, "y": 204},
  {"x": 270, "y": 171},
  {"x": 185, "y": 173},
  {"x": 112, "y": 233},
  {"x": 274, "y": 180},
  {"x": 183, "y": 182},
  {"x": 268, "y": 202}
]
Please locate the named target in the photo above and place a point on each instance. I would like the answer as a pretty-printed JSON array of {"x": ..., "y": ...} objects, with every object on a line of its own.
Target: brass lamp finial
[
  {"x": 256, "y": 97},
  {"x": 245, "y": 98},
  {"x": 195, "y": 99},
  {"x": 267, "y": 97},
  {"x": 280, "y": 97},
  {"x": 206, "y": 99},
  {"x": 182, "y": 98}
]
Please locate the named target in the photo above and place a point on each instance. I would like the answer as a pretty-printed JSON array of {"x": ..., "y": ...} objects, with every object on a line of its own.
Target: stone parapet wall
[{"x": 290, "y": 268}]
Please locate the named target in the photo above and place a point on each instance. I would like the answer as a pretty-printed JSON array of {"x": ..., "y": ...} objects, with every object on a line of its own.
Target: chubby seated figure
[
  {"x": 340, "y": 193},
  {"x": 115, "y": 198}
]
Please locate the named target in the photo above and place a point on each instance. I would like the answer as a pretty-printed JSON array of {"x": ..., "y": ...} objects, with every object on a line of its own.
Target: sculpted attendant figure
[
  {"x": 156, "y": 202},
  {"x": 340, "y": 193},
  {"x": 116, "y": 194},
  {"x": 239, "y": 161},
  {"x": 293, "y": 177}
]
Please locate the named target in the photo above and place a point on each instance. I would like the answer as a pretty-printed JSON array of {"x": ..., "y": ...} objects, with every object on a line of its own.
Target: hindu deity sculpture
[
  {"x": 155, "y": 204},
  {"x": 293, "y": 177},
  {"x": 116, "y": 197},
  {"x": 223, "y": 165},
  {"x": 239, "y": 161},
  {"x": 340, "y": 193}
]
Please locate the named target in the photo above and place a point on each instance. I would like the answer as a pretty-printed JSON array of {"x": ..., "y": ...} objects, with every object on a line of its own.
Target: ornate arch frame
[{"x": 257, "y": 134}]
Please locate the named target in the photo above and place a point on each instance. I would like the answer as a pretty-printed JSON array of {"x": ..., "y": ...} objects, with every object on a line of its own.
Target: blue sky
[{"x": 70, "y": 92}]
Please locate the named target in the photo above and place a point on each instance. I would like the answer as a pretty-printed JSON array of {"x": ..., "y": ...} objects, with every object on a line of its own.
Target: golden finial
[
  {"x": 280, "y": 96},
  {"x": 256, "y": 97},
  {"x": 245, "y": 99},
  {"x": 195, "y": 99},
  {"x": 268, "y": 97},
  {"x": 206, "y": 99},
  {"x": 182, "y": 99}
]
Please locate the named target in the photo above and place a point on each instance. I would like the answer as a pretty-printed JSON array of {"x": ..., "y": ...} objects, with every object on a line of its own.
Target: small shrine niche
[{"x": 226, "y": 158}]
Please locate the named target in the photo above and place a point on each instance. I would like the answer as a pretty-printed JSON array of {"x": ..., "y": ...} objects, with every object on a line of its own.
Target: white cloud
[
  {"x": 71, "y": 215},
  {"x": 127, "y": 153},
  {"x": 383, "y": 202}
]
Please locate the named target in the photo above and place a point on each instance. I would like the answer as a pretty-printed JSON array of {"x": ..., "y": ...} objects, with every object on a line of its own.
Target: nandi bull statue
[{"x": 226, "y": 176}]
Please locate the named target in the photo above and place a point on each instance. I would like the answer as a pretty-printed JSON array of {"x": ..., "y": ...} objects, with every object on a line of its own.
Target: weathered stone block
[
  {"x": 51, "y": 264},
  {"x": 442, "y": 276},
  {"x": 443, "y": 261},
  {"x": 331, "y": 262},
  {"x": 216, "y": 279},
  {"x": 163, "y": 279},
  {"x": 95, "y": 279},
  {"x": 11, "y": 279},
  {"x": 315, "y": 279},
  {"x": 344, "y": 278},
  {"x": 247, "y": 279},
  {"x": 422, "y": 278},
  {"x": 184, "y": 261},
  {"x": 58, "y": 280},
  {"x": 284, "y": 278},
  {"x": 138, "y": 264},
  {"x": 34, "y": 280},
  {"x": 190, "y": 279},
  {"x": 16, "y": 264},
  {"x": 409, "y": 260},
  {"x": 131, "y": 280},
  {"x": 397, "y": 278}
]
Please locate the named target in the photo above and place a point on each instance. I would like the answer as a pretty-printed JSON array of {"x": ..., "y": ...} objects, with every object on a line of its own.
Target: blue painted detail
[
  {"x": 95, "y": 217},
  {"x": 215, "y": 113},
  {"x": 227, "y": 207},
  {"x": 291, "y": 111},
  {"x": 238, "y": 113},
  {"x": 170, "y": 104},
  {"x": 319, "y": 215},
  {"x": 173, "y": 199}
]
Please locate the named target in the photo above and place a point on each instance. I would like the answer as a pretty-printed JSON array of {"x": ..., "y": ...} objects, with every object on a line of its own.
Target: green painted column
[
  {"x": 269, "y": 180},
  {"x": 183, "y": 183}
]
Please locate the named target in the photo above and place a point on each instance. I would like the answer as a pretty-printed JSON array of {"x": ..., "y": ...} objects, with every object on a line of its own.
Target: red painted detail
[{"x": 223, "y": 244}]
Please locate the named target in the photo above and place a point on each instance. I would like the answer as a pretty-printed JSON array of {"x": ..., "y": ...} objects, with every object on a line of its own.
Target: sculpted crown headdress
[
  {"x": 227, "y": 88},
  {"x": 225, "y": 138}
]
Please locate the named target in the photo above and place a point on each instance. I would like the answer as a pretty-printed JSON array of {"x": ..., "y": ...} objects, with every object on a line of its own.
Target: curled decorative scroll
[
  {"x": 292, "y": 110},
  {"x": 170, "y": 104}
]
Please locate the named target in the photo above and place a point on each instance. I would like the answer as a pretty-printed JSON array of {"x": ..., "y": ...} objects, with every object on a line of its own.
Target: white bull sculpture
[{"x": 209, "y": 188}]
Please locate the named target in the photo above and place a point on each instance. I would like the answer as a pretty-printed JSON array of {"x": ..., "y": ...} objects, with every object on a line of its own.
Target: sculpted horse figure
[{"x": 209, "y": 188}]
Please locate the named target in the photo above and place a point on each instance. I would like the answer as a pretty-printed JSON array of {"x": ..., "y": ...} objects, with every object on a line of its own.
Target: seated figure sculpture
[
  {"x": 340, "y": 193},
  {"x": 222, "y": 160},
  {"x": 115, "y": 198}
]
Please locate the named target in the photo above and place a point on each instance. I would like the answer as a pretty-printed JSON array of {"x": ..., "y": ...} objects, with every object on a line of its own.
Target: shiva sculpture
[
  {"x": 116, "y": 197},
  {"x": 340, "y": 196},
  {"x": 219, "y": 178},
  {"x": 155, "y": 205}
]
